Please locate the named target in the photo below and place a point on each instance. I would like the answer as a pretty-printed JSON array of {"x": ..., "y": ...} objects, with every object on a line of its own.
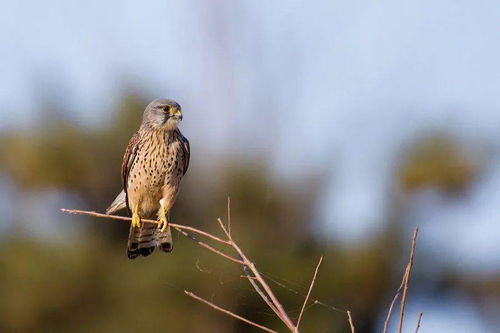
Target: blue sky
[{"x": 340, "y": 83}]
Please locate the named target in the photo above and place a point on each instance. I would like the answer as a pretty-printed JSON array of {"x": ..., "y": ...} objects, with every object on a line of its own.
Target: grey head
[{"x": 162, "y": 113}]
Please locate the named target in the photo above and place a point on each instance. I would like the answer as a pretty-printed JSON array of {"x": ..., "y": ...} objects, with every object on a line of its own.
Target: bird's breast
[{"x": 154, "y": 169}]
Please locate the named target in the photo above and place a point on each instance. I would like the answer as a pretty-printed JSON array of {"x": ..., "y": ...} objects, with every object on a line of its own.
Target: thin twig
[
  {"x": 418, "y": 322},
  {"x": 406, "y": 280},
  {"x": 177, "y": 227},
  {"x": 351, "y": 324},
  {"x": 398, "y": 292},
  {"x": 211, "y": 248},
  {"x": 228, "y": 312},
  {"x": 282, "y": 313},
  {"x": 308, "y": 293},
  {"x": 259, "y": 291},
  {"x": 124, "y": 218},
  {"x": 230, "y": 240},
  {"x": 401, "y": 286}
]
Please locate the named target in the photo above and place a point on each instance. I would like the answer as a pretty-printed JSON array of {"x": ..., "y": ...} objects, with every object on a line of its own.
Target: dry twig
[
  {"x": 406, "y": 280},
  {"x": 124, "y": 218},
  {"x": 259, "y": 291},
  {"x": 308, "y": 293},
  {"x": 228, "y": 312},
  {"x": 280, "y": 311},
  {"x": 403, "y": 286},
  {"x": 386, "y": 324},
  {"x": 177, "y": 227}
]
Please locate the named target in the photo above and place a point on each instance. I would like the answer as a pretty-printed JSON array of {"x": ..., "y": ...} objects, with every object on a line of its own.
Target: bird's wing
[
  {"x": 185, "y": 149},
  {"x": 128, "y": 161}
]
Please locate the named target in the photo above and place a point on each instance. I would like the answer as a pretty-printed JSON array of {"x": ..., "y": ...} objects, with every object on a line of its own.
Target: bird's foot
[
  {"x": 136, "y": 219},
  {"x": 162, "y": 221}
]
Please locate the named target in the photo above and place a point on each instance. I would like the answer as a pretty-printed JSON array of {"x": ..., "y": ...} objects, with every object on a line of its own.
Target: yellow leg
[
  {"x": 163, "y": 220},
  {"x": 136, "y": 219}
]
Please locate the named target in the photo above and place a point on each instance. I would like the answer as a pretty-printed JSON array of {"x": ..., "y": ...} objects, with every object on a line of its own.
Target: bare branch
[
  {"x": 398, "y": 292},
  {"x": 259, "y": 291},
  {"x": 282, "y": 313},
  {"x": 223, "y": 227},
  {"x": 228, "y": 312},
  {"x": 418, "y": 322},
  {"x": 407, "y": 279},
  {"x": 124, "y": 218},
  {"x": 267, "y": 295},
  {"x": 404, "y": 281},
  {"x": 351, "y": 324},
  {"x": 177, "y": 227},
  {"x": 211, "y": 248},
  {"x": 309, "y": 292}
]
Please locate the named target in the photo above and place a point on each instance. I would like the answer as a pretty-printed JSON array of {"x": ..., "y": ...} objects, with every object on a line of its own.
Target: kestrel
[{"x": 156, "y": 159}]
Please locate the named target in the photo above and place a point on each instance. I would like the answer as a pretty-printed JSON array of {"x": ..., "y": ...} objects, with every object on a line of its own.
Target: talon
[
  {"x": 136, "y": 219},
  {"x": 163, "y": 221}
]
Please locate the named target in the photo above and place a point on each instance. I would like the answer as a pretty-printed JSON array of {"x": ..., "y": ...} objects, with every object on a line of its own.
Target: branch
[
  {"x": 308, "y": 293},
  {"x": 403, "y": 286},
  {"x": 228, "y": 312},
  {"x": 209, "y": 247},
  {"x": 124, "y": 218},
  {"x": 259, "y": 291},
  {"x": 280, "y": 311},
  {"x": 386, "y": 324},
  {"x": 407, "y": 279},
  {"x": 177, "y": 227}
]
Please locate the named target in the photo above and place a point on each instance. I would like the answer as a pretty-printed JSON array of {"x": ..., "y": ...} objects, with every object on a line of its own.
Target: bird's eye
[{"x": 166, "y": 109}]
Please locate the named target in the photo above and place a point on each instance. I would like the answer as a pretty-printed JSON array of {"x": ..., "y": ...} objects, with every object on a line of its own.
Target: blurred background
[{"x": 336, "y": 127}]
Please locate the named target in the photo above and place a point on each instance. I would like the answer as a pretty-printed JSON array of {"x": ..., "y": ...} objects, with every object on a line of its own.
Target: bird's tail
[
  {"x": 164, "y": 240},
  {"x": 143, "y": 240}
]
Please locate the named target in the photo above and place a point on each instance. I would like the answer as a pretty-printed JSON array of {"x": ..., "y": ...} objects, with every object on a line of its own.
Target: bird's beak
[{"x": 177, "y": 114}]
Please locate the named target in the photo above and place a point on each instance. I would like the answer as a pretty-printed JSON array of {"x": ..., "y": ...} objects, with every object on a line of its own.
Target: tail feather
[
  {"x": 143, "y": 240},
  {"x": 118, "y": 204},
  {"x": 164, "y": 240}
]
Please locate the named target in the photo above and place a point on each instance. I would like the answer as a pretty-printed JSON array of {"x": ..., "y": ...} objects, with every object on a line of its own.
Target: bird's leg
[
  {"x": 136, "y": 219},
  {"x": 162, "y": 217}
]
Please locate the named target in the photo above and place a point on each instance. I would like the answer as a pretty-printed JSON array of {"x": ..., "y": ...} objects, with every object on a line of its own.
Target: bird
[{"x": 155, "y": 161}]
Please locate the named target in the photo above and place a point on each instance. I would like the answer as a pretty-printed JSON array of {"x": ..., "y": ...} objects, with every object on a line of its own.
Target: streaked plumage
[{"x": 155, "y": 160}]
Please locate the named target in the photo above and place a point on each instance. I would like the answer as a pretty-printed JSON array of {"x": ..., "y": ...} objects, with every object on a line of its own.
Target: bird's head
[{"x": 162, "y": 113}]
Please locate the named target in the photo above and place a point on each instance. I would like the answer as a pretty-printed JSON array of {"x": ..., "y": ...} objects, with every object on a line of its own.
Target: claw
[
  {"x": 136, "y": 219},
  {"x": 163, "y": 221}
]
